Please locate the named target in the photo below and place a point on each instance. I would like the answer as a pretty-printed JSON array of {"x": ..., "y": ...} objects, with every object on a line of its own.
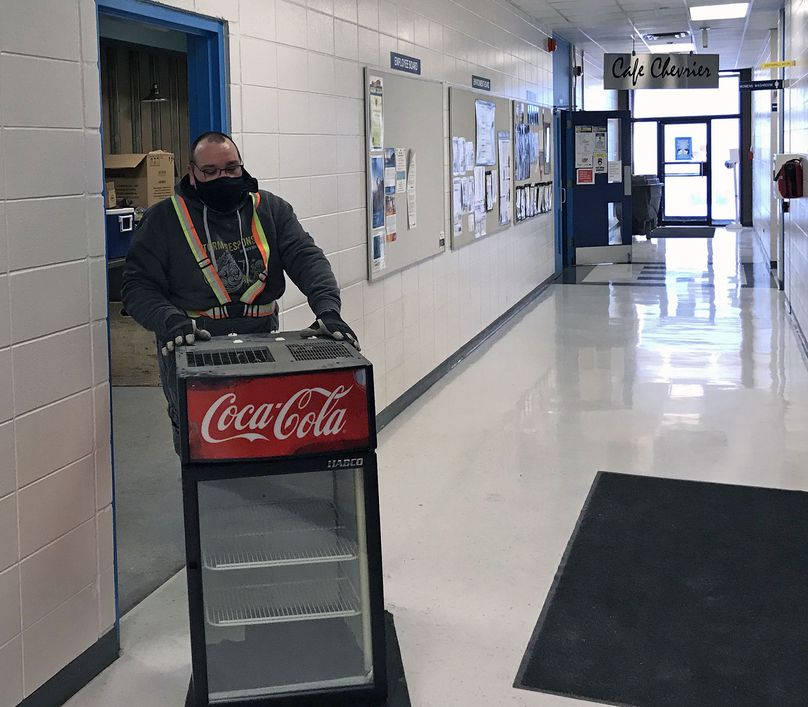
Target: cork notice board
[
  {"x": 403, "y": 119},
  {"x": 464, "y": 109}
]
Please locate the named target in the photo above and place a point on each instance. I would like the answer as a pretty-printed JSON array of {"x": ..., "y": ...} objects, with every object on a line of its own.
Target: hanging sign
[
  {"x": 778, "y": 64},
  {"x": 770, "y": 85},
  {"x": 624, "y": 71},
  {"x": 405, "y": 63}
]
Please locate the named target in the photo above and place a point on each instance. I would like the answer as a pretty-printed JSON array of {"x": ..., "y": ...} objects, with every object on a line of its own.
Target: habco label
[
  {"x": 277, "y": 416},
  {"x": 626, "y": 71}
]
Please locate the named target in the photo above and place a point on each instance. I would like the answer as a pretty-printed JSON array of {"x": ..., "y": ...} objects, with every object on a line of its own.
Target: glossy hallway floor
[{"x": 694, "y": 374}]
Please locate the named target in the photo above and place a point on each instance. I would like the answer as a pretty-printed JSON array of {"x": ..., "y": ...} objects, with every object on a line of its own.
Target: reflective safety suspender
[{"x": 212, "y": 276}]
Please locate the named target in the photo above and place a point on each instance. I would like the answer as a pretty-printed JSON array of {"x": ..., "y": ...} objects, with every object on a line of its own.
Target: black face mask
[{"x": 226, "y": 193}]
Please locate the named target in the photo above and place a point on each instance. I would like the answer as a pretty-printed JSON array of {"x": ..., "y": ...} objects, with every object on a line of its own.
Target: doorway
[
  {"x": 690, "y": 157},
  {"x": 162, "y": 81},
  {"x": 690, "y": 139}
]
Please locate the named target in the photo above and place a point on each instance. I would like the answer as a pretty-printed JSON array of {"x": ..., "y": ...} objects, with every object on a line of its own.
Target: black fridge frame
[{"x": 341, "y": 460}]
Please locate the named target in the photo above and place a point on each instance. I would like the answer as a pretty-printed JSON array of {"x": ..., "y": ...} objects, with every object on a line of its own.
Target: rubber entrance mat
[
  {"x": 683, "y": 232},
  {"x": 678, "y": 593}
]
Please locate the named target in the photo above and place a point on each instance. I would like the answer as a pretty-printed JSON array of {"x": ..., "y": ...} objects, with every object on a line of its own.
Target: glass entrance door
[{"x": 685, "y": 171}]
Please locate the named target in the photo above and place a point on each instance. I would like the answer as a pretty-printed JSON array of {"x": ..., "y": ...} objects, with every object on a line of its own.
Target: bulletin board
[
  {"x": 406, "y": 214},
  {"x": 496, "y": 177},
  {"x": 532, "y": 160}
]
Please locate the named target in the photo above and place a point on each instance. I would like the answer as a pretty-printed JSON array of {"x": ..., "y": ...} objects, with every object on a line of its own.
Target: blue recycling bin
[{"x": 120, "y": 229}]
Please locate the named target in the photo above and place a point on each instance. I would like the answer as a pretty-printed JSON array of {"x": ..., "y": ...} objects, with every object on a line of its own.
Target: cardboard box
[
  {"x": 142, "y": 179},
  {"x": 112, "y": 199}
]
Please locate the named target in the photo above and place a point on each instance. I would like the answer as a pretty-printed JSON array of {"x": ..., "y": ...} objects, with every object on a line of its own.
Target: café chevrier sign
[{"x": 626, "y": 71}]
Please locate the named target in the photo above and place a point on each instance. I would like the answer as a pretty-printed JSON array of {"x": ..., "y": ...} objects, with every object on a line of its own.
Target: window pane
[
  {"x": 725, "y": 139},
  {"x": 679, "y": 102},
  {"x": 645, "y": 148}
]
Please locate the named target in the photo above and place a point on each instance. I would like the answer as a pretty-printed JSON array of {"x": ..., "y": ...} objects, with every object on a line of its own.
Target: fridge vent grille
[
  {"x": 318, "y": 352},
  {"x": 230, "y": 357}
]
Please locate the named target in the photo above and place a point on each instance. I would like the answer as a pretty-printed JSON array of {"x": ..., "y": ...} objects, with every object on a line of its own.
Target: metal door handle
[{"x": 563, "y": 195}]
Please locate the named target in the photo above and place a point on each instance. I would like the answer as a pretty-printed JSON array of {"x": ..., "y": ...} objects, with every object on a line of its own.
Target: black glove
[
  {"x": 183, "y": 333},
  {"x": 329, "y": 323}
]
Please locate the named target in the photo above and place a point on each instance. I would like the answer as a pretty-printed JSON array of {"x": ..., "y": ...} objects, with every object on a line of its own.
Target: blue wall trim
[{"x": 159, "y": 15}]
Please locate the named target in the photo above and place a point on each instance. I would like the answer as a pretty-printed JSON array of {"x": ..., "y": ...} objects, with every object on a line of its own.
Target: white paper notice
[
  {"x": 458, "y": 153},
  {"x": 376, "y": 92},
  {"x": 479, "y": 186},
  {"x": 584, "y": 146},
  {"x": 457, "y": 205},
  {"x": 486, "y": 136},
  {"x": 401, "y": 170},
  {"x": 615, "y": 172},
  {"x": 411, "y": 202},
  {"x": 469, "y": 165},
  {"x": 504, "y": 141},
  {"x": 377, "y": 238}
]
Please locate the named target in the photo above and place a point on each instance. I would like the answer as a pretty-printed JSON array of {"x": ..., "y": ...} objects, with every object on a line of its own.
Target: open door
[{"x": 596, "y": 187}]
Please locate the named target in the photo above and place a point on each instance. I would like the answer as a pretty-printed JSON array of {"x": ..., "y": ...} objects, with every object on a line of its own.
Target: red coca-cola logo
[{"x": 278, "y": 416}]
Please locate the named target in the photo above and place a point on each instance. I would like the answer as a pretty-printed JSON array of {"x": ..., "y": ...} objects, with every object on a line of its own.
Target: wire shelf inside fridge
[
  {"x": 278, "y": 549},
  {"x": 279, "y": 603}
]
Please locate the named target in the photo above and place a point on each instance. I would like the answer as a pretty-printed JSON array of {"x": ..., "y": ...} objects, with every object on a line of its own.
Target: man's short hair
[{"x": 212, "y": 136}]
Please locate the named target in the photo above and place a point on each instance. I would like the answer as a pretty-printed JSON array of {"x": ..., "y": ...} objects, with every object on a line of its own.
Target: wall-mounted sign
[
  {"x": 481, "y": 83},
  {"x": 584, "y": 176},
  {"x": 770, "y": 85},
  {"x": 624, "y": 71},
  {"x": 405, "y": 63},
  {"x": 778, "y": 64}
]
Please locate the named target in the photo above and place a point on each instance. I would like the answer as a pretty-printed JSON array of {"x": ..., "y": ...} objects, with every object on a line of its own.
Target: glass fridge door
[{"x": 285, "y": 584}]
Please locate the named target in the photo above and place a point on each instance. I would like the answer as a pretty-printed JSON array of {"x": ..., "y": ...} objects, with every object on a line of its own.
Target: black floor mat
[
  {"x": 675, "y": 593},
  {"x": 683, "y": 232}
]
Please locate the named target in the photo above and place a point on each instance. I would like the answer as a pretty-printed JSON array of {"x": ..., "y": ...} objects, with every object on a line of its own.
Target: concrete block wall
[
  {"x": 795, "y": 227},
  {"x": 56, "y": 554},
  {"x": 296, "y": 100}
]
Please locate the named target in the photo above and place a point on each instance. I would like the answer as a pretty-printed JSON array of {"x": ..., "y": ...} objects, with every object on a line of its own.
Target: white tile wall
[
  {"x": 44, "y": 92},
  {"x": 31, "y": 241},
  {"x": 69, "y": 417},
  {"x": 11, "y": 673},
  {"x": 55, "y": 640},
  {"x": 57, "y": 572},
  {"x": 66, "y": 356},
  {"x": 55, "y": 505},
  {"x": 9, "y": 553},
  {"x": 9, "y": 604},
  {"x": 43, "y": 303}
]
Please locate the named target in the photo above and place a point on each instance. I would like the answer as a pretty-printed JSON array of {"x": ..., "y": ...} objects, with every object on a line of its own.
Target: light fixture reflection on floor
[{"x": 154, "y": 96}]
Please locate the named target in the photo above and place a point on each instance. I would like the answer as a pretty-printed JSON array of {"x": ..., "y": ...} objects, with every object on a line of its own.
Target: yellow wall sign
[{"x": 778, "y": 64}]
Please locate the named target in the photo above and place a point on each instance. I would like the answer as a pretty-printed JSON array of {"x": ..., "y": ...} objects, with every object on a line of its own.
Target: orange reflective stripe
[
  {"x": 260, "y": 238},
  {"x": 198, "y": 250}
]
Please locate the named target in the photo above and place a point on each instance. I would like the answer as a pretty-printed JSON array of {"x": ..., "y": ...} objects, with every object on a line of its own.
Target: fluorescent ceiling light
[
  {"x": 732, "y": 11},
  {"x": 672, "y": 48}
]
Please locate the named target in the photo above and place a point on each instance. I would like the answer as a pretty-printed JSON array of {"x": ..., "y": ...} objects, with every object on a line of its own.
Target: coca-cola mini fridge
[{"x": 281, "y": 522}]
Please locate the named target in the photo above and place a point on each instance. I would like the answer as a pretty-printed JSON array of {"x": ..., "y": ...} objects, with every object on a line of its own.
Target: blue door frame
[{"x": 207, "y": 67}]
